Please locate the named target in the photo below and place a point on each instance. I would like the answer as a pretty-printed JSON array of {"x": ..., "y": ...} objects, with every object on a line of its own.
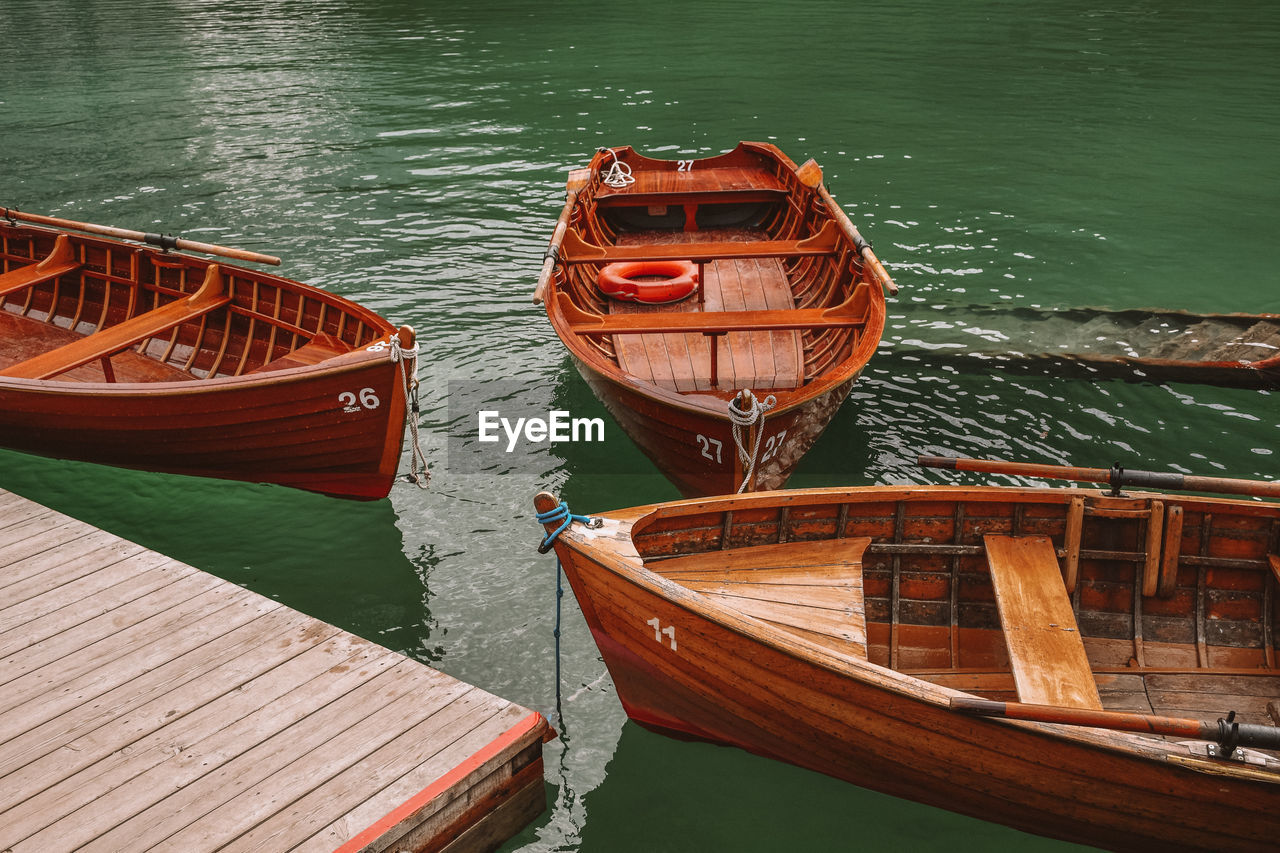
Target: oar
[
  {"x": 578, "y": 179},
  {"x": 864, "y": 248},
  {"x": 142, "y": 237},
  {"x": 1226, "y": 732},
  {"x": 1115, "y": 476}
]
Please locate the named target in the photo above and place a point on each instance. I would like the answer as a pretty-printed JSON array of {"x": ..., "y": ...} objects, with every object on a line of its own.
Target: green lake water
[{"x": 412, "y": 156}]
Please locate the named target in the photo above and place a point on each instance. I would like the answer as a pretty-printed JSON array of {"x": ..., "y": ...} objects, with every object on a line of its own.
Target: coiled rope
[
  {"x": 742, "y": 420},
  {"x": 418, "y": 472},
  {"x": 551, "y": 516},
  {"x": 619, "y": 174}
]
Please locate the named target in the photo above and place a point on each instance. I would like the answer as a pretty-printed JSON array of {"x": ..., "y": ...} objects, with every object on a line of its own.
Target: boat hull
[
  {"x": 692, "y": 442},
  {"x": 716, "y": 688},
  {"x": 296, "y": 431}
]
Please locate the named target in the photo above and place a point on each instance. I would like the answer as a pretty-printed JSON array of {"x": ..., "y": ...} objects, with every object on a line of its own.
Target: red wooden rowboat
[
  {"x": 788, "y": 310},
  {"x": 855, "y": 631},
  {"x": 141, "y": 357}
]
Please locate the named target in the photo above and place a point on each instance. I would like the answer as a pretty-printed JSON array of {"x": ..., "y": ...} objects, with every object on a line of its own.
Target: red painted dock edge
[{"x": 403, "y": 816}]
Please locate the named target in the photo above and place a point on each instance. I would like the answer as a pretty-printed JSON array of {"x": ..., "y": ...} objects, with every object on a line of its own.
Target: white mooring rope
[
  {"x": 743, "y": 420},
  {"x": 418, "y": 472},
  {"x": 619, "y": 174}
]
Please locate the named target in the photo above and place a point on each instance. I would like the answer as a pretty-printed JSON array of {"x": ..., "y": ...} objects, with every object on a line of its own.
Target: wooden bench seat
[
  {"x": 812, "y": 589},
  {"x": 106, "y": 342},
  {"x": 852, "y": 312},
  {"x": 1045, "y": 650},
  {"x": 60, "y": 261},
  {"x": 576, "y": 250},
  {"x": 654, "y": 187}
]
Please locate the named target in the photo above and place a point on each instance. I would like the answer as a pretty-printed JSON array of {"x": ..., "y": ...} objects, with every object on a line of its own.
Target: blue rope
[
  {"x": 551, "y": 516},
  {"x": 560, "y": 513}
]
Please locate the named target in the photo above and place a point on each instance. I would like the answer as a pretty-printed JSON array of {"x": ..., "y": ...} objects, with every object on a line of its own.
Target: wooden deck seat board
[
  {"x": 576, "y": 250},
  {"x": 88, "y": 804},
  {"x": 108, "y": 341},
  {"x": 224, "y": 697},
  {"x": 60, "y": 261},
  {"x": 813, "y": 588},
  {"x": 220, "y": 772},
  {"x": 242, "y": 793},
  {"x": 25, "y": 338},
  {"x": 63, "y": 607},
  {"x": 759, "y": 360},
  {"x": 1045, "y": 649},
  {"x": 668, "y": 186},
  {"x": 487, "y": 760},
  {"x": 98, "y": 711},
  {"x": 324, "y": 774},
  {"x": 75, "y": 652},
  {"x": 59, "y": 740},
  {"x": 93, "y": 551}
]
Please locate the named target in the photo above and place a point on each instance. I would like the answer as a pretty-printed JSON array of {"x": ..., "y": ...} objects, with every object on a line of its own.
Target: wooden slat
[
  {"x": 58, "y": 262},
  {"x": 1045, "y": 650},
  {"x": 814, "y": 588},
  {"x": 852, "y": 312},
  {"x": 146, "y": 705},
  {"x": 717, "y": 185},
  {"x": 576, "y": 250},
  {"x": 760, "y": 360},
  {"x": 106, "y": 342}
]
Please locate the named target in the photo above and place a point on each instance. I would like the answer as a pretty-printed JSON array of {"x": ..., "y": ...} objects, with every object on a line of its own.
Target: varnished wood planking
[
  {"x": 757, "y": 360},
  {"x": 1045, "y": 650},
  {"x": 205, "y": 720}
]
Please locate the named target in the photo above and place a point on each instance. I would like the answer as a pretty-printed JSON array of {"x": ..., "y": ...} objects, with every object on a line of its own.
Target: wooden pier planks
[{"x": 145, "y": 705}]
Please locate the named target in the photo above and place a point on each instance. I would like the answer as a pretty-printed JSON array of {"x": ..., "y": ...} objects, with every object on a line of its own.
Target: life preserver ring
[{"x": 678, "y": 280}]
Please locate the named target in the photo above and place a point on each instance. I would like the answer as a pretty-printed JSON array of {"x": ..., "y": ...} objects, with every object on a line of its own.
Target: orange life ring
[{"x": 678, "y": 280}]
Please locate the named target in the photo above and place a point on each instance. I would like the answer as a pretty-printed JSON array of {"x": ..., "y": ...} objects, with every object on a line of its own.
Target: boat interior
[
  {"x": 1075, "y": 599},
  {"x": 81, "y": 309},
  {"x": 791, "y": 291}
]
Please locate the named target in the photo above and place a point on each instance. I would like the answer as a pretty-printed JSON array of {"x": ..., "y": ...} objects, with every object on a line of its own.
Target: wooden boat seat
[
  {"x": 1045, "y": 650},
  {"x": 576, "y": 250},
  {"x": 659, "y": 187},
  {"x": 812, "y": 589},
  {"x": 322, "y": 347},
  {"x": 105, "y": 342},
  {"x": 60, "y": 261},
  {"x": 852, "y": 312}
]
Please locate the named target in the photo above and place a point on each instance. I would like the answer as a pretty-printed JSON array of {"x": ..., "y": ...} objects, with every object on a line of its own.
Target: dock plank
[{"x": 147, "y": 705}]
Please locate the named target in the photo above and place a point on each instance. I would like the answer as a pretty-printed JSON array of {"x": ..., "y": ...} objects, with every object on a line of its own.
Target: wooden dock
[{"x": 146, "y": 705}]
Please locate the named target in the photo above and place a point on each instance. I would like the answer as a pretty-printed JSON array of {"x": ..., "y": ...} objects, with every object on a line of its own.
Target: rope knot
[
  {"x": 562, "y": 514},
  {"x": 619, "y": 175}
]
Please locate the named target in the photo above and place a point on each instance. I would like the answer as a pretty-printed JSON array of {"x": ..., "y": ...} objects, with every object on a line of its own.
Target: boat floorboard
[
  {"x": 682, "y": 362},
  {"x": 23, "y": 338},
  {"x": 145, "y": 705}
]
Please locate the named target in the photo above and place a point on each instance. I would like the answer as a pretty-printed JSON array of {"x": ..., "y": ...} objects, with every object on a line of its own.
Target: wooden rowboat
[
  {"x": 141, "y": 357},
  {"x": 856, "y": 632},
  {"x": 788, "y": 310},
  {"x": 1148, "y": 345}
]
